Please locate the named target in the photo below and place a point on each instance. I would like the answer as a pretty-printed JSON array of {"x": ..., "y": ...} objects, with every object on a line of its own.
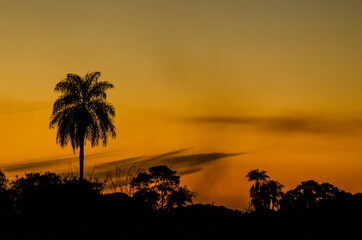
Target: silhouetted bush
[
  {"x": 6, "y": 204},
  {"x": 44, "y": 194},
  {"x": 47, "y": 206}
]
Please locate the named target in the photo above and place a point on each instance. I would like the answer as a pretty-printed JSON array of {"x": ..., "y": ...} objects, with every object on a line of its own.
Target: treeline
[
  {"x": 268, "y": 195},
  {"x": 48, "y": 206}
]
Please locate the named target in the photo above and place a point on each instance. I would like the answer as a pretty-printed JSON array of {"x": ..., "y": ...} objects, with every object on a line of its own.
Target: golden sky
[{"x": 228, "y": 85}]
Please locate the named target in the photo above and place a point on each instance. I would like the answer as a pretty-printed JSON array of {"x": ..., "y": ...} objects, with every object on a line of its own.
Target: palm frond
[
  {"x": 82, "y": 110},
  {"x": 98, "y": 89},
  {"x": 71, "y": 84}
]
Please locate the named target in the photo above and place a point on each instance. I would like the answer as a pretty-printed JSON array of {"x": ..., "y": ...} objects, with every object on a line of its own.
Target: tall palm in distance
[
  {"x": 260, "y": 178},
  {"x": 275, "y": 193},
  {"x": 265, "y": 194},
  {"x": 82, "y": 113}
]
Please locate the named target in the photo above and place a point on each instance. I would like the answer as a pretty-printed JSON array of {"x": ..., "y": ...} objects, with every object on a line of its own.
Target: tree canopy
[{"x": 159, "y": 187}]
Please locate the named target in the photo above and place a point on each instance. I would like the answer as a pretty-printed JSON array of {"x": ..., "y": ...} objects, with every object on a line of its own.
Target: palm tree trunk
[{"x": 81, "y": 158}]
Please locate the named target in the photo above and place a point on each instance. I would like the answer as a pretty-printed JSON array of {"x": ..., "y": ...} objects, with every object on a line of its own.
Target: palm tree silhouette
[
  {"x": 259, "y": 177},
  {"x": 275, "y": 192},
  {"x": 82, "y": 113}
]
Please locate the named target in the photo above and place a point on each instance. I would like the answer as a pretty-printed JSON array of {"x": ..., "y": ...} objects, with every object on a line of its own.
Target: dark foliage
[
  {"x": 180, "y": 197},
  {"x": 159, "y": 188},
  {"x": 5, "y": 201},
  {"x": 310, "y": 196},
  {"x": 47, "y": 206},
  {"x": 265, "y": 194}
]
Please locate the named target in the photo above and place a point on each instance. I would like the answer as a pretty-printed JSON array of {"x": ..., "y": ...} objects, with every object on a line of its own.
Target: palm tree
[
  {"x": 260, "y": 178},
  {"x": 82, "y": 113},
  {"x": 275, "y": 192}
]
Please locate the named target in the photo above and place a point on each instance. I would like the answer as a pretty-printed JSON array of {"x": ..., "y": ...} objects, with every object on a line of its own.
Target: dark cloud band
[
  {"x": 183, "y": 163},
  {"x": 312, "y": 125}
]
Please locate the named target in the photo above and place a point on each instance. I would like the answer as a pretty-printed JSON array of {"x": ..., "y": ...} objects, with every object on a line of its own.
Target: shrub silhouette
[
  {"x": 3, "y": 181},
  {"x": 6, "y": 206},
  {"x": 48, "y": 206},
  {"x": 48, "y": 196}
]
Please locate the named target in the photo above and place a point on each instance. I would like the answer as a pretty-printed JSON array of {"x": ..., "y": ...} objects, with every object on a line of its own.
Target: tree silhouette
[
  {"x": 180, "y": 197},
  {"x": 6, "y": 205},
  {"x": 275, "y": 192},
  {"x": 256, "y": 190},
  {"x": 310, "y": 195},
  {"x": 82, "y": 113},
  {"x": 165, "y": 181},
  {"x": 159, "y": 188},
  {"x": 3, "y": 180}
]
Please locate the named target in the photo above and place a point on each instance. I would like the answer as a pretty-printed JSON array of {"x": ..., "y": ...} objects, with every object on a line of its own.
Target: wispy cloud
[
  {"x": 14, "y": 106},
  {"x": 183, "y": 163},
  {"x": 287, "y": 124},
  {"x": 36, "y": 164},
  {"x": 49, "y": 163}
]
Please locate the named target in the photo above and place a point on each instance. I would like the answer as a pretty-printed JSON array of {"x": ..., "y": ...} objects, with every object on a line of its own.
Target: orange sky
[{"x": 278, "y": 81}]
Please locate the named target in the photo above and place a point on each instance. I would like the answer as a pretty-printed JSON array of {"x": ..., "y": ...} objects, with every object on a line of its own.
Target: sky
[{"x": 212, "y": 88}]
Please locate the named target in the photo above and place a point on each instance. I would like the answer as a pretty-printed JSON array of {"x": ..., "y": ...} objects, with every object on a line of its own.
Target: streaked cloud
[
  {"x": 287, "y": 124},
  {"x": 183, "y": 163},
  {"x": 14, "y": 106},
  {"x": 50, "y": 163},
  {"x": 31, "y": 166}
]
